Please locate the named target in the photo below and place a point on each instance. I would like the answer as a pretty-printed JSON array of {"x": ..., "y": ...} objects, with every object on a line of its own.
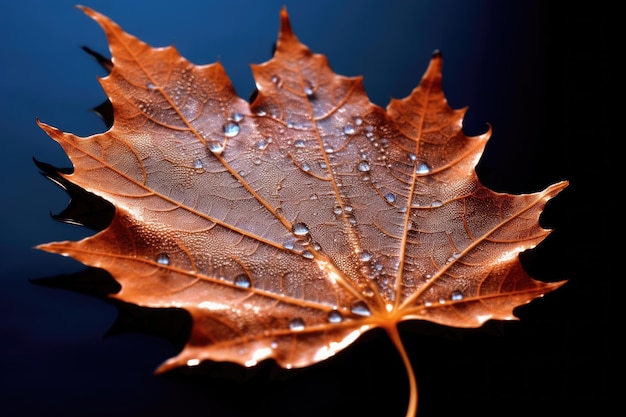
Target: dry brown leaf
[{"x": 290, "y": 226}]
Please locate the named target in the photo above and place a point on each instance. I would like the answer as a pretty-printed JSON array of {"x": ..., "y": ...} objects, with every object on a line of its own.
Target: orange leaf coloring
[{"x": 289, "y": 226}]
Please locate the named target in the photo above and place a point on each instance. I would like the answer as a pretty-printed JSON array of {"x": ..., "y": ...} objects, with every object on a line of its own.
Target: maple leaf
[{"x": 289, "y": 226}]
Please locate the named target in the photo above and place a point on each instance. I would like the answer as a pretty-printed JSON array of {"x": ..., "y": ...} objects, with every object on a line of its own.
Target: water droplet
[
  {"x": 456, "y": 295},
  {"x": 306, "y": 167},
  {"x": 256, "y": 161},
  {"x": 307, "y": 254},
  {"x": 323, "y": 165},
  {"x": 349, "y": 130},
  {"x": 300, "y": 229},
  {"x": 328, "y": 149},
  {"x": 243, "y": 281},
  {"x": 436, "y": 203},
  {"x": 275, "y": 79},
  {"x": 337, "y": 210},
  {"x": 412, "y": 157},
  {"x": 197, "y": 164},
  {"x": 163, "y": 259},
  {"x": 390, "y": 197},
  {"x": 237, "y": 117},
  {"x": 313, "y": 197},
  {"x": 365, "y": 256},
  {"x": 308, "y": 90},
  {"x": 358, "y": 121},
  {"x": 299, "y": 143},
  {"x": 422, "y": 168},
  {"x": 361, "y": 309},
  {"x": 348, "y": 209},
  {"x": 231, "y": 129},
  {"x": 335, "y": 317},
  {"x": 368, "y": 292},
  {"x": 151, "y": 86},
  {"x": 193, "y": 362},
  {"x": 216, "y": 147},
  {"x": 296, "y": 324},
  {"x": 288, "y": 245},
  {"x": 262, "y": 144},
  {"x": 364, "y": 166}
]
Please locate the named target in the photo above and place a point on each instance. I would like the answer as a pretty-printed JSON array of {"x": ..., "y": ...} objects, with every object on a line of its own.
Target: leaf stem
[{"x": 394, "y": 335}]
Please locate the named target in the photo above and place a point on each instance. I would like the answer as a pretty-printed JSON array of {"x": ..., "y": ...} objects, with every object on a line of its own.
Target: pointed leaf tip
[{"x": 285, "y": 25}]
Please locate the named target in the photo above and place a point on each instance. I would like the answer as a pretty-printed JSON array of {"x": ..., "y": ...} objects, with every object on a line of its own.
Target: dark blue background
[{"x": 530, "y": 69}]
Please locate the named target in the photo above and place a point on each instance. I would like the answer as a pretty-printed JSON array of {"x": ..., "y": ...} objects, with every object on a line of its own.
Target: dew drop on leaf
[
  {"x": 422, "y": 168},
  {"x": 364, "y": 166},
  {"x": 163, "y": 259},
  {"x": 231, "y": 129},
  {"x": 335, "y": 317},
  {"x": 390, "y": 197},
  {"x": 365, "y": 256},
  {"x": 216, "y": 147},
  {"x": 361, "y": 309},
  {"x": 262, "y": 144},
  {"x": 300, "y": 229},
  {"x": 296, "y": 324},
  {"x": 456, "y": 295},
  {"x": 243, "y": 281}
]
